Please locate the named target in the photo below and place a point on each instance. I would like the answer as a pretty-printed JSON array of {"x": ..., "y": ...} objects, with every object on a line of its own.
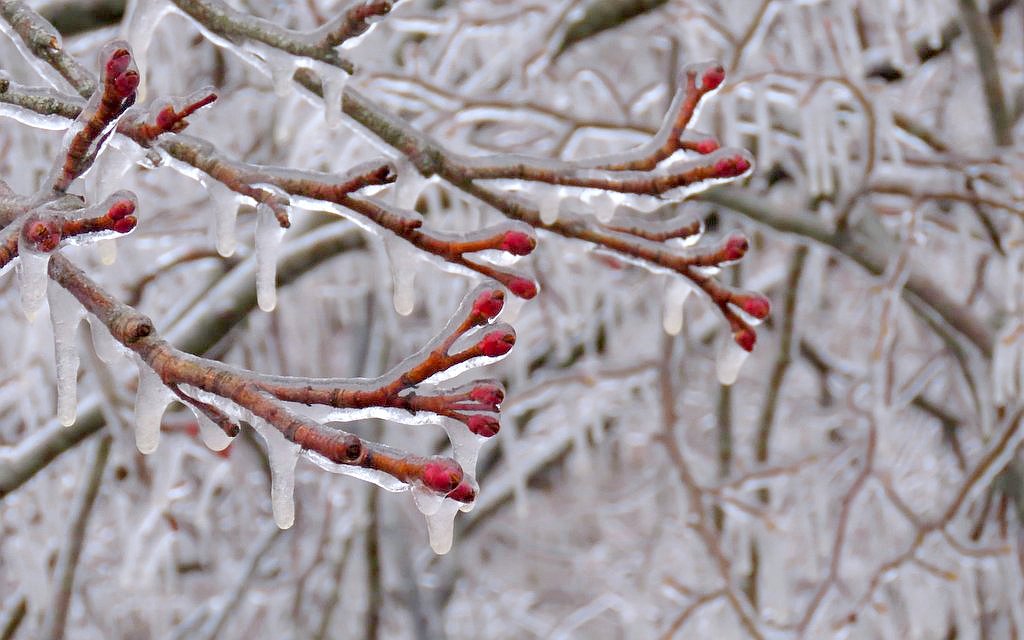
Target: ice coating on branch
[
  {"x": 151, "y": 400},
  {"x": 731, "y": 357},
  {"x": 65, "y": 314},
  {"x": 213, "y": 436},
  {"x": 379, "y": 478},
  {"x": 675, "y": 298},
  {"x": 441, "y": 526},
  {"x": 31, "y": 269},
  {"x": 226, "y": 203},
  {"x": 268, "y": 241},
  {"x": 403, "y": 261},
  {"x": 282, "y": 454}
]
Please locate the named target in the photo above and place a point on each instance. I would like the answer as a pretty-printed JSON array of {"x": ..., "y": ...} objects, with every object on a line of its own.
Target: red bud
[
  {"x": 489, "y": 303},
  {"x": 735, "y": 248},
  {"x": 166, "y": 118},
  {"x": 712, "y": 78},
  {"x": 757, "y": 306},
  {"x": 746, "y": 338},
  {"x": 731, "y": 167},
  {"x": 125, "y": 224},
  {"x": 483, "y": 425},
  {"x": 463, "y": 493},
  {"x": 518, "y": 243},
  {"x": 707, "y": 145},
  {"x": 126, "y": 83},
  {"x": 491, "y": 394},
  {"x": 118, "y": 62},
  {"x": 43, "y": 235},
  {"x": 497, "y": 343},
  {"x": 441, "y": 475},
  {"x": 522, "y": 287},
  {"x": 120, "y": 209}
]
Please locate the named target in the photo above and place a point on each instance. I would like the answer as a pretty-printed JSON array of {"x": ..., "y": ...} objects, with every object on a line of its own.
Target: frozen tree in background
[{"x": 258, "y": 244}]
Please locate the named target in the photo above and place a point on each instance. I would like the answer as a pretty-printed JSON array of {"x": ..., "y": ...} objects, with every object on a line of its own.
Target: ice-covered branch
[
  {"x": 244, "y": 395},
  {"x": 95, "y": 123},
  {"x": 320, "y": 44}
]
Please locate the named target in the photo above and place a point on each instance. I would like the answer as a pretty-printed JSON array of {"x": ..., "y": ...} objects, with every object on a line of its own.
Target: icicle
[
  {"x": 822, "y": 138},
  {"x": 408, "y": 186},
  {"x": 103, "y": 343},
  {"x": 281, "y": 74},
  {"x": 762, "y": 121},
  {"x": 513, "y": 305},
  {"x": 282, "y": 454},
  {"x": 549, "y": 205},
  {"x": 226, "y": 203},
  {"x": 142, "y": 18},
  {"x": 811, "y": 159},
  {"x": 65, "y": 314},
  {"x": 213, "y": 436},
  {"x": 602, "y": 205},
  {"x": 105, "y": 175},
  {"x": 268, "y": 239},
  {"x": 672, "y": 313},
  {"x": 334, "y": 81},
  {"x": 151, "y": 400},
  {"x": 31, "y": 269},
  {"x": 848, "y": 35},
  {"x": 730, "y": 358},
  {"x": 107, "y": 251},
  {"x": 465, "y": 446},
  {"x": 441, "y": 527},
  {"x": 403, "y": 274},
  {"x": 427, "y": 501}
]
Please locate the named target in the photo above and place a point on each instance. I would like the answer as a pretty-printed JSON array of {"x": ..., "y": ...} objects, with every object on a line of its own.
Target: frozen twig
[
  {"x": 320, "y": 44},
  {"x": 67, "y": 563}
]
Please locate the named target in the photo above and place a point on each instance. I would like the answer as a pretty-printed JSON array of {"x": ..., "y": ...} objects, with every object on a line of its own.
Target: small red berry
[
  {"x": 482, "y": 425},
  {"x": 518, "y": 243},
  {"x": 757, "y": 306},
  {"x": 463, "y": 493},
  {"x": 735, "y": 248},
  {"x": 441, "y": 475},
  {"x": 707, "y": 146},
  {"x": 125, "y": 224},
  {"x": 491, "y": 394},
  {"x": 712, "y": 78},
  {"x": 489, "y": 303},
  {"x": 522, "y": 287},
  {"x": 497, "y": 343},
  {"x": 745, "y": 338}
]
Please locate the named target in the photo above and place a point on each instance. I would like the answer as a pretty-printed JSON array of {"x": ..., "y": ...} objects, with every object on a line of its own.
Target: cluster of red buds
[{"x": 44, "y": 230}]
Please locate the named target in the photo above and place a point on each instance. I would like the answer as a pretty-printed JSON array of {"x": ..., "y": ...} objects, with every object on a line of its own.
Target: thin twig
[{"x": 67, "y": 563}]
